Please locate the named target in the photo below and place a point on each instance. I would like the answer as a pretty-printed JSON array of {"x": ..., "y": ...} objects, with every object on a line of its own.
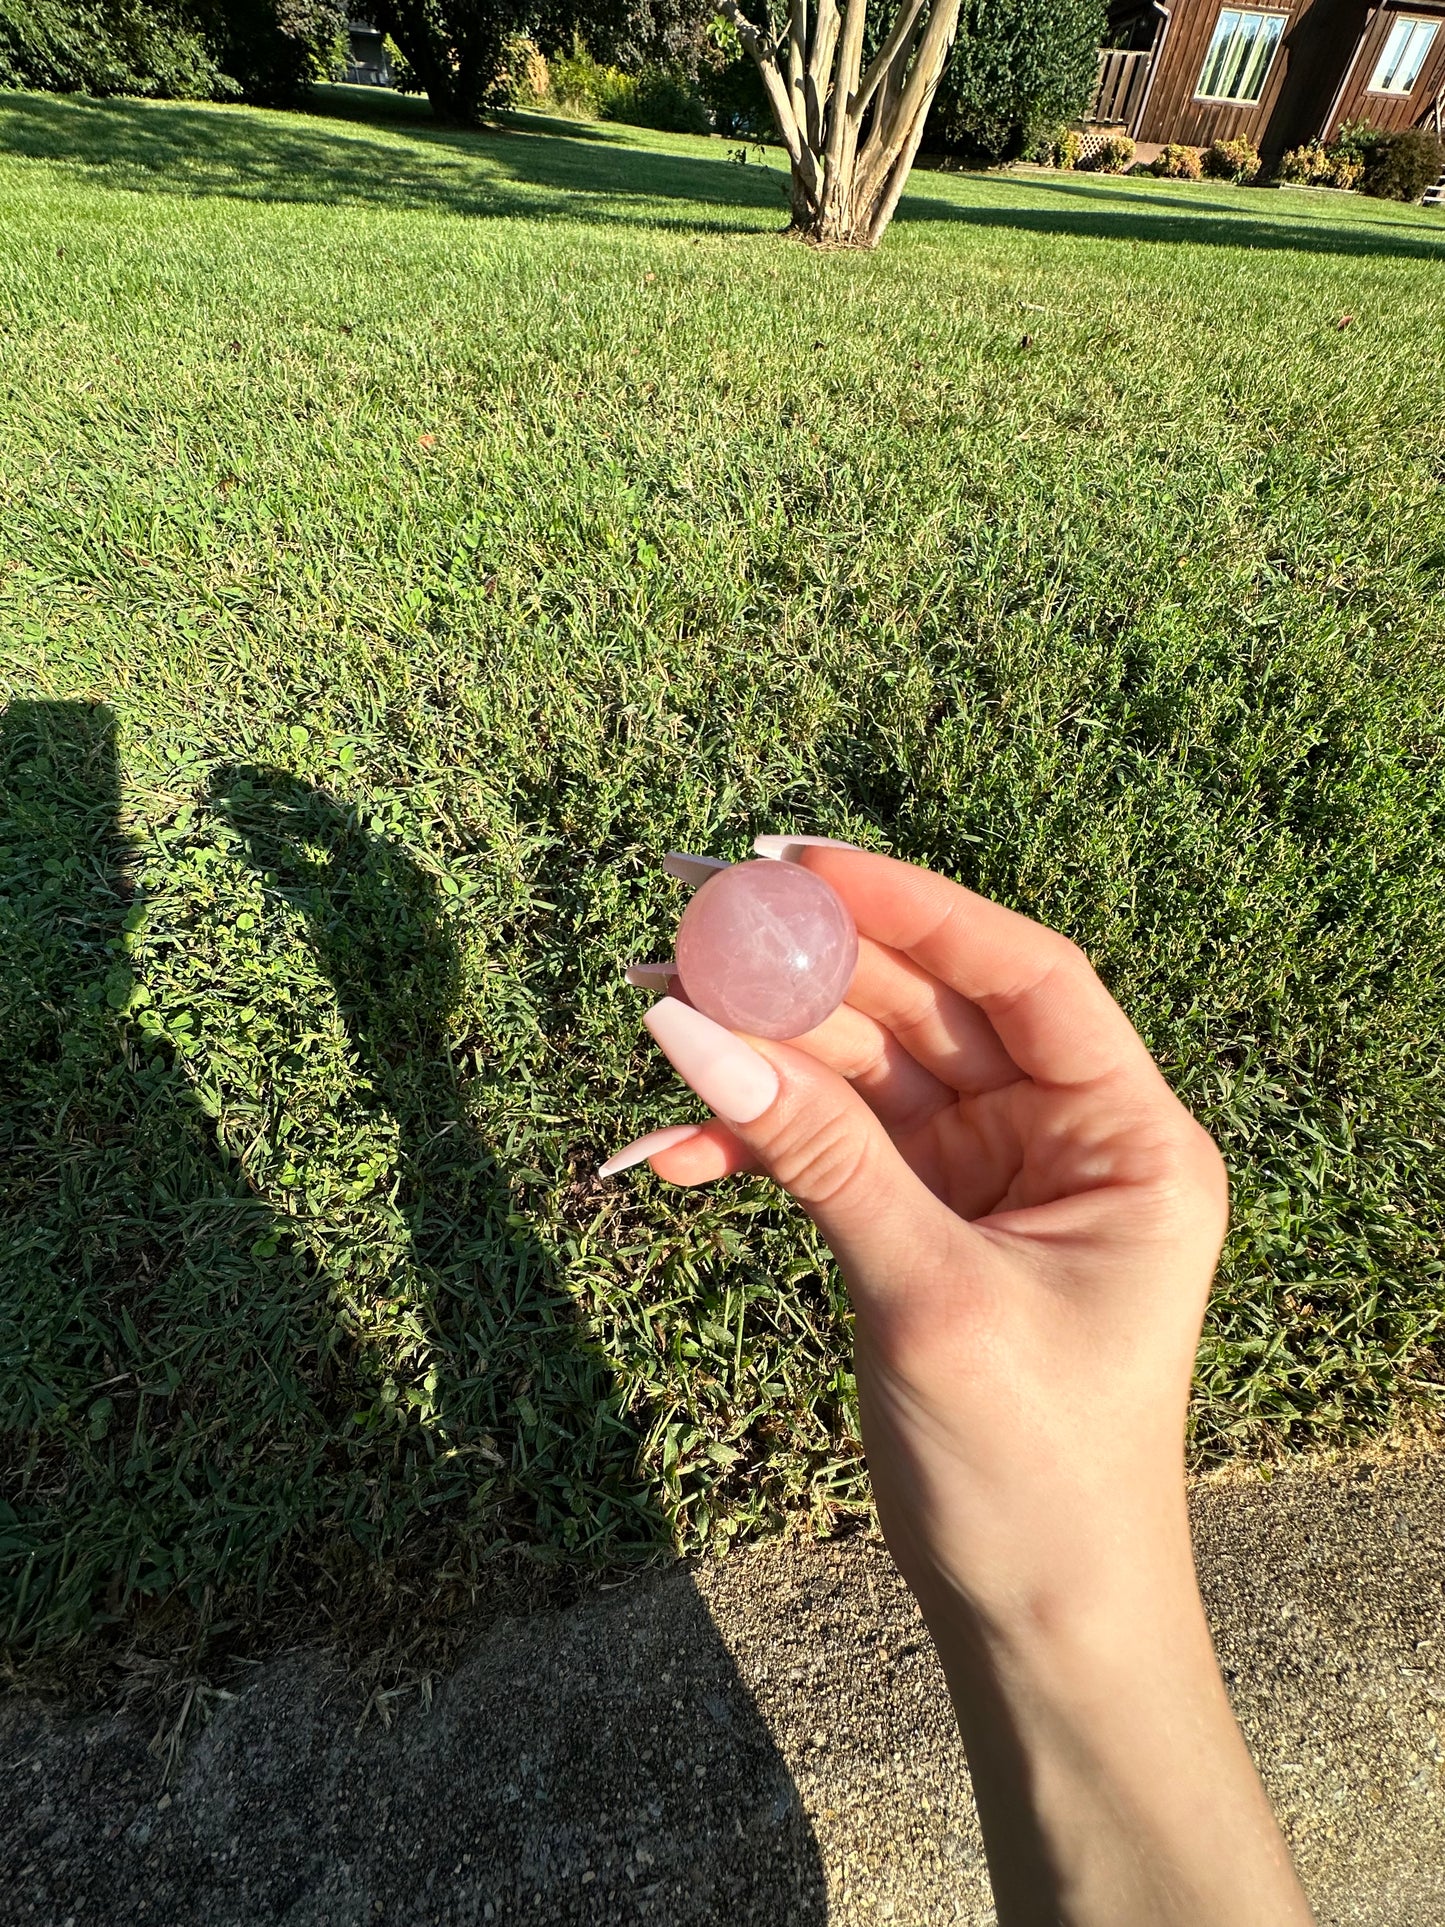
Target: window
[
  {"x": 1238, "y": 61},
  {"x": 1403, "y": 57}
]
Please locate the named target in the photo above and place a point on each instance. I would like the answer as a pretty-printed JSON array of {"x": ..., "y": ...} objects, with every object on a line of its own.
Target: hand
[{"x": 1028, "y": 1221}]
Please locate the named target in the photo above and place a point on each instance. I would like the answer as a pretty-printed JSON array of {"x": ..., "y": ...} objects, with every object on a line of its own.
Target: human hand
[
  {"x": 1027, "y": 1221},
  {"x": 1026, "y": 1217}
]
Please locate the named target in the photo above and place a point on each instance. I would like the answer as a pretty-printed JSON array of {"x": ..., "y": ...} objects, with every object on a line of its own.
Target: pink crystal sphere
[{"x": 766, "y": 947}]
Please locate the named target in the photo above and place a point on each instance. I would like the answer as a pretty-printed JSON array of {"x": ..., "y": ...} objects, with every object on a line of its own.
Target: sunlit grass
[{"x": 449, "y": 525}]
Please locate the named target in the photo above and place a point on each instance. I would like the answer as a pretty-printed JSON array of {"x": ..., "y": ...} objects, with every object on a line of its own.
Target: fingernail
[
  {"x": 692, "y": 869},
  {"x": 642, "y": 1148},
  {"x": 784, "y": 848},
  {"x": 727, "y": 1074},
  {"x": 650, "y": 976}
]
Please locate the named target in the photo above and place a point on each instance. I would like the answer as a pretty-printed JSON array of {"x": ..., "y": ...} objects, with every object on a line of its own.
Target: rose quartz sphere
[{"x": 766, "y": 947}]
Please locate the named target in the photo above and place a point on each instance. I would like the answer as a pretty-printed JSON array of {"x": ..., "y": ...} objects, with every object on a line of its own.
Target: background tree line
[
  {"x": 266, "y": 51},
  {"x": 1017, "y": 68}
]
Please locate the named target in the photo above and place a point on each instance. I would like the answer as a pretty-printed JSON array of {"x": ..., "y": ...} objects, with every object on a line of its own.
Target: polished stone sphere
[{"x": 768, "y": 948}]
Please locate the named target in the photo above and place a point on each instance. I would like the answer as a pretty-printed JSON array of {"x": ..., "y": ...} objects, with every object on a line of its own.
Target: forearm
[{"x": 1113, "y": 1785}]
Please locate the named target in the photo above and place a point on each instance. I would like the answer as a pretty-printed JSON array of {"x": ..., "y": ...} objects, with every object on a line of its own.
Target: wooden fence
[{"x": 1119, "y": 90}]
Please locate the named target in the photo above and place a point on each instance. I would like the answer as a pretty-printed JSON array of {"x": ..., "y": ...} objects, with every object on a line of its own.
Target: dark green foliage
[
  {"x": 273, "y": 49},
  {"x": 667, "y": 100},
  {"x": 1391, "y": 166},
  {"x": 1019, "y": 68},
  {"x": 678, "y": 35},
  {"x": 107, "y": 47},
  {"x": 1400, "y": 166},
  {"x": 268, "y": 51},
  {"x": 735, "y": 98},
  {"x": 455, "y": 48}
]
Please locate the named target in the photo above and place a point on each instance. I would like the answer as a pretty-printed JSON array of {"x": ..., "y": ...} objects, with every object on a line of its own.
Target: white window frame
[
  {"x": 1402, "y": 35},
  {"x": 1238, "y": 14}
]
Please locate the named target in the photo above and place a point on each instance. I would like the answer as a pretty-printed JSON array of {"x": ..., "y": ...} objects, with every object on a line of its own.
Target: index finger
[{"x": 1052, "y": 1014}]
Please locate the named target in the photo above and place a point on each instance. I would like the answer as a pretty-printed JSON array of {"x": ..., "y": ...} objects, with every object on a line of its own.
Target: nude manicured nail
[
  {"x": 650, "y": 976},
  {"x": 647, "y": 1147},
  {"x": 783, "y": 847},
  {"x": 727, "y": 1074},
  {"x": 692, "y": 869}
]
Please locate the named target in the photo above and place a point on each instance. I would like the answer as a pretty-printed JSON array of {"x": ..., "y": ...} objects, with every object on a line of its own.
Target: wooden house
[{"x": 1280, "y": 74}]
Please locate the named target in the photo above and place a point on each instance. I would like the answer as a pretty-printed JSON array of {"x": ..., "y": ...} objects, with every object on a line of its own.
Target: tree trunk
[{"x": 850, "y": 135}]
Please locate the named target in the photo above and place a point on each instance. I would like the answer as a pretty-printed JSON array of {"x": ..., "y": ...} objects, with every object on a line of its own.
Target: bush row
[
  {"x": 1394, "y": 166},
  {"x": 724, "y": 97},
  {"x": 261, "y": 50}
]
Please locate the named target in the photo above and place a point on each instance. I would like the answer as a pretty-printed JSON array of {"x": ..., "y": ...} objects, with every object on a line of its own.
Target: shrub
[
  {"x": 1315, "y": 166},
  {"x": 403, "y": 74},
  {"x": 1356, "y": 141},
  {"x": 106, "y": 47},
  {"x": 734, "y": 96},
  {"x": 1400, "y": 166},
  {"x": 1394, "y": 167},
  {"x": 1107, "y": 154},
  {"x": 656, "y": 96},
  {"x": 1177, "y": 162},
  {"x": 1018, "y": 67},
  {"x": 1234, "y": 160},
  {"x": 667, "y": 100},
  {"x": 272, "y": 49},
  {"x": 525, "y": 79},
  {"x": 577, "y": 81},
  {"x": 265, "y": 50},
  {"x": 1306, "y": 166},
  {"x": 1057, "y": 147}
]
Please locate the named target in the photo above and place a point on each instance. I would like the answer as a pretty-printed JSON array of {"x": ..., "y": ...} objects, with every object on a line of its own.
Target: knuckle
[
  {"x": 1070, "y": 959},
  {"x": 1194, "y": 1175},
  {"x": 816, "y": 1161}
]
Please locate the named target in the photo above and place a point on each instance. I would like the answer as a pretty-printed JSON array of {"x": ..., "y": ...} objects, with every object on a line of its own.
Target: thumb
[{"x": 811, "y": 1132}]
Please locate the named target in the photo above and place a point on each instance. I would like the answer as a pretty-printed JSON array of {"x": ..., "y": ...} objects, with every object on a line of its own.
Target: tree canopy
[{"x": 262, "y": 50}]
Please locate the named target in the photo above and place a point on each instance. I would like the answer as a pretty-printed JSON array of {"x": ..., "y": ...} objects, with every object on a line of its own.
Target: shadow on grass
[
  {"x": 198, "y": 1453},
  {"x": 531, "y": 167},
  {"x": 1114, "y": 212},
  {"x": 562, "y": 170}
]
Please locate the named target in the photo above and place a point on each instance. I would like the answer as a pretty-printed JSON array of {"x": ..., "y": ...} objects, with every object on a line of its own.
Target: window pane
[
  {"x": 1404, "y": 56},
  {"x": 1225, "y": 30},
  {"x": 1238, "y": 61},
  {"x": 1251, "y": 81}
]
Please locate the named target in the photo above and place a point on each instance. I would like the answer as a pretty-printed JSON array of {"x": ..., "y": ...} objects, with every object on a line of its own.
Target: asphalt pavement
[{"x": 763, "y": 1740}]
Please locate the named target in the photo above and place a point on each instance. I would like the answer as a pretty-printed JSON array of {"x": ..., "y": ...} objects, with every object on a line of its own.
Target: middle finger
[{"x": 942, "y": 1031}]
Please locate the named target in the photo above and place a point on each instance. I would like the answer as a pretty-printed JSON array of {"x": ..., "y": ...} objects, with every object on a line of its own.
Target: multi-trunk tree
[{"x": 851, "y": 128}]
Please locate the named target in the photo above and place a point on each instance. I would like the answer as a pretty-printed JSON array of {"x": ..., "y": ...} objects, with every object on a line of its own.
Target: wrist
[
  {"x": 1025, "y": 1577},
  {"x": 1101, "y": 1740},
  {"x": 1058, "y": 1630}
]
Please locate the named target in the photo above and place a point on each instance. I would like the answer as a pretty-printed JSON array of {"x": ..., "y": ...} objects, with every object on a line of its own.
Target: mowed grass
[{"x": 406, "y": 537}]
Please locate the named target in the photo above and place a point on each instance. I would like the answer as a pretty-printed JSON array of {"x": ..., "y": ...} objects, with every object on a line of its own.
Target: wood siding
[
  {"x": 1315, "y": 60},
  {"x": 1171, "y": 112},
  {"x": 1395, "y": 110}
]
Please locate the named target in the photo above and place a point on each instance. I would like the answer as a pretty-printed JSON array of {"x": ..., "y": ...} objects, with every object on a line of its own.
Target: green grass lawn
[{"x": 406, "y": 537}]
